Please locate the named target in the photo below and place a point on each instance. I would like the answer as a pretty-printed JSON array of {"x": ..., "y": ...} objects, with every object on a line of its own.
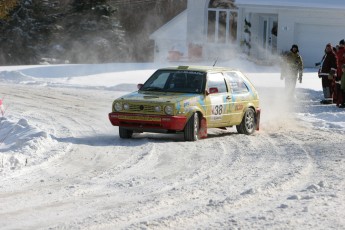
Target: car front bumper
[{"x": 147, "y": 122}]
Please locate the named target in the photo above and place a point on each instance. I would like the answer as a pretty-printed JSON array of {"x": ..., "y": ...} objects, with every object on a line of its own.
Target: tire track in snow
[
  {"x": 243, "y": 199},
  {"x": 252, "y": 195},
  {"x": 225, "y": 181}
]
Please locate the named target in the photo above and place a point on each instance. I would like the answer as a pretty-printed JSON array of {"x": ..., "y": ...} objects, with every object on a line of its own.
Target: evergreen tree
[
  {"x": 91, "y": 33},
  {"x": 17, "y": 36},
  {"x": 140, "y": 18},
  {"x": 81, "y": 31}
]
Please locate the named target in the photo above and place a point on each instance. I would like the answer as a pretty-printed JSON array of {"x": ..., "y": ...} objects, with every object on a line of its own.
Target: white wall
[
  {"x": 302, "y": 26},
  {"x": 196, "y": 20},
  {"x": 311, "y": 31}
]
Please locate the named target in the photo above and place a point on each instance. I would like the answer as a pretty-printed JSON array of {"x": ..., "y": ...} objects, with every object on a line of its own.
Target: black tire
[
  {"x": 125, "y": 133},
  {"x": 248, "y": 124},
  {"x": 191, "y": 131}
]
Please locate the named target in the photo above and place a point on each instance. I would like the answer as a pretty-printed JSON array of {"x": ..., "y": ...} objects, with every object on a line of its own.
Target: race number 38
[{"x": 217, "y": 110}]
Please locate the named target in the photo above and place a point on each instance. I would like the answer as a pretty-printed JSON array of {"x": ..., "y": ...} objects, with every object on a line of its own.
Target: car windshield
[{"x": 180, "y": 81}]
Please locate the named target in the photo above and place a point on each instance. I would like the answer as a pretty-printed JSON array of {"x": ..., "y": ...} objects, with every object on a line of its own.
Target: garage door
[{"x": 312, "y": 40}]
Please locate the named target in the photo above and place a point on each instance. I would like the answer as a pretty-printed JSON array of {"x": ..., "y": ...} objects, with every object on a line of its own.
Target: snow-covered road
[{"x": 286, "y": 176}]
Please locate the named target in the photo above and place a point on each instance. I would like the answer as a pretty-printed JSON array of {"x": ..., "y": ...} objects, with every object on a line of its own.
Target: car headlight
[
  {"x": 157, "y": 109},
  {"x": 126, "y": 106},
  {"x": 168, "y": 110},
  {"x": 118, "y": 106}
]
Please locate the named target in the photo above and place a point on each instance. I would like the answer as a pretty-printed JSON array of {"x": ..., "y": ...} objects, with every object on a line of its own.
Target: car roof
[{"x": 199, "y": 68}]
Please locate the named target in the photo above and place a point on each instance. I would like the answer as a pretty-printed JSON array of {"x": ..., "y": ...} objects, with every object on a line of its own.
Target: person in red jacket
[
  {"x": 339, "y": 99},
  {"x": 327, "y": 72}
]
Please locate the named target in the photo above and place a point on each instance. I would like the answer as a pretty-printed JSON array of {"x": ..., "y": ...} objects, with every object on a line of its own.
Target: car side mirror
[
  {"x": 213, "y": 90},
  {"x": 139, "y": 86}
]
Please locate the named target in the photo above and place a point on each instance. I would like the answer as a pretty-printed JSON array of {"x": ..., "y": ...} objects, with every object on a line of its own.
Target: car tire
[
  {"x": 248, "y": 124},
  {"x": 125, "y": 133},
  {"x": 191, "y": 131}
]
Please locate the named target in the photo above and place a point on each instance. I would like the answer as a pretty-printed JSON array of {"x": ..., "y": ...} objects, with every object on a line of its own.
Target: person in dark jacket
[
  {"x": 339, "y": 99},
  {"x": 342, "y": 86},
  {"x": 327, "y": 72},
  {"x": 291, "y": 70}
]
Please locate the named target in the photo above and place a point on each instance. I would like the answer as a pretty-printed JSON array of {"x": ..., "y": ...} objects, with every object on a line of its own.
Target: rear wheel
[
  {"x": 248, "y": 124},
  {"x": 125, "y": 133},
  {"x": 191, "y": 130}
]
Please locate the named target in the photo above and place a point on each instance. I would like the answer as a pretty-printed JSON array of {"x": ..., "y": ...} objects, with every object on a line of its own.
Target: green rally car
[{"x": 189, "y": 100}]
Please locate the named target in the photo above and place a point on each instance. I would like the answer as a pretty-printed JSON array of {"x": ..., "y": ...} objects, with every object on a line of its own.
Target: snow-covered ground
[{"x": 63, "y": 166}]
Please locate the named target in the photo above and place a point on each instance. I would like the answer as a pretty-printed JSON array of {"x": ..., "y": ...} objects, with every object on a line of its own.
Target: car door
[
  {"x": 239, "y": 96},
  {"x": 217, "y": 100}
]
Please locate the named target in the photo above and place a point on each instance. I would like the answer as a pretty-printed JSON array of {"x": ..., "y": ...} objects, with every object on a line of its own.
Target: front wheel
[
  {"x": 125, "y": 133},
  {"x": 191, "y": 131},
  {"x": 248, "y": 124}
]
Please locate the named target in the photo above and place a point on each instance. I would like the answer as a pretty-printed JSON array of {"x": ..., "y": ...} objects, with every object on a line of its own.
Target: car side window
[
  {"x": 216, "y": 80},
  {"x": 237, "y": 84}
]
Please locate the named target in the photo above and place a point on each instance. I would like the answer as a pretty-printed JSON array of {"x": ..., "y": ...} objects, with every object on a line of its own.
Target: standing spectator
[
  {"x": 342, "y": 87},
  {"x": 2, "y": 110},
  {"x": 341, "y": 61},
  {"x": 291, "y": 69},
  {"x": 327, "y": 71}
]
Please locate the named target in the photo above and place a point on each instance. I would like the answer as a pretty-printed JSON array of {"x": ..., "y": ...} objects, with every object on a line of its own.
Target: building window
[{"x": 222, "y": 22}]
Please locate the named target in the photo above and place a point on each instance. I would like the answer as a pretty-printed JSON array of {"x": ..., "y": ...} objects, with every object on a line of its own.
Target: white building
[{"x": 208, "y": 29}]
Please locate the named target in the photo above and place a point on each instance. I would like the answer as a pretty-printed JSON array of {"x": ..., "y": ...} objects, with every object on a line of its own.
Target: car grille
[{"x": 143, "y": 109}]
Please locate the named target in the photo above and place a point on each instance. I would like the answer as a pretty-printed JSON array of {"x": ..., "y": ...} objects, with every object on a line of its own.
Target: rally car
[{"x": 189, "y": 100}]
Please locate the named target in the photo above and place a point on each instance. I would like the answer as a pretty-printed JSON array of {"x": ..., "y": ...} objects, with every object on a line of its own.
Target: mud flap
[
  {"x": 257, "y": 120},
  {"x": 203, "y": 128}
]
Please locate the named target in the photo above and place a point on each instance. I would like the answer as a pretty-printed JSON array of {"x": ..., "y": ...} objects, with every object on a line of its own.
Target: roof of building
[
  {"x": 175, "y": 29},
  {"x": 320, "y": 4}
]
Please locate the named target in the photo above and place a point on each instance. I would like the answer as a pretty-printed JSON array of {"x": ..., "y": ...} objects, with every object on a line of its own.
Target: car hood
[{"x": 158, "y": 97}]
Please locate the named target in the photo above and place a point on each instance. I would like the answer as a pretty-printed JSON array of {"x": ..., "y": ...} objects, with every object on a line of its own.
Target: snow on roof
[
  {"x": 175, "y": 29},
  {"x": 330, "y": 4}
]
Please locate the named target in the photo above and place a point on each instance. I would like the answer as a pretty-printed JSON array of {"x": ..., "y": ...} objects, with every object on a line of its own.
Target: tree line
[{"x": 81, "y": 31}]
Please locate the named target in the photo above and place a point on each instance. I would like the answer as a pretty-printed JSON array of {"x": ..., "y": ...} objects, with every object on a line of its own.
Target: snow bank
[
  {"x": 21, "y": 144},
  {"x": 15, "y": 77}
]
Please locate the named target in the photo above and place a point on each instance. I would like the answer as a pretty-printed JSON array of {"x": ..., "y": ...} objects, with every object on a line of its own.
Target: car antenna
[{"x": 215, "y": 62}]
